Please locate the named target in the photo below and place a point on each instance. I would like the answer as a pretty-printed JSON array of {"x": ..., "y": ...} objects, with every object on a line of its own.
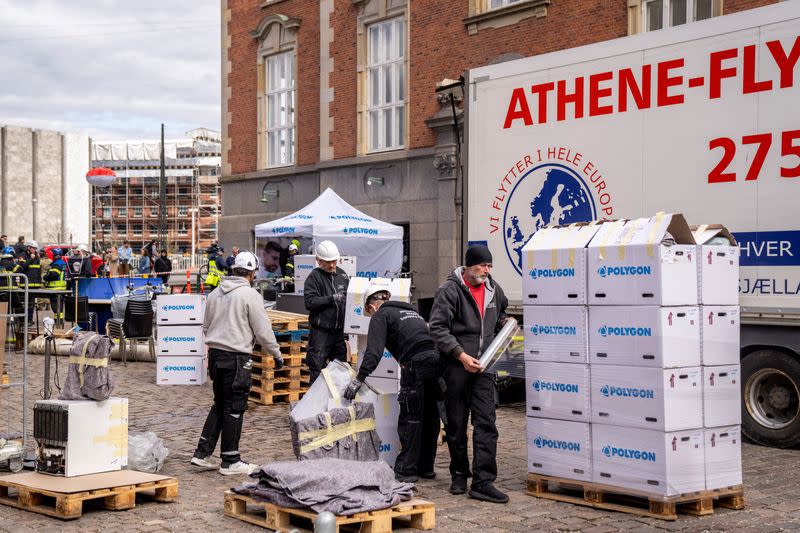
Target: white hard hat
[
  {"x": 83, "y": 248},
  {"x": 327, "y": 251},
  {"x": 292, "y": 247},
  {"x": 33, "y": 244},
  {"x": 375, "y": 288},
  {"x": 246, "y": 260}
]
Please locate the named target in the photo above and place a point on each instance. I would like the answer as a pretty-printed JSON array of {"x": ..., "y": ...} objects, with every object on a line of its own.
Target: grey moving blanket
[{"x": 337, "y": 485}]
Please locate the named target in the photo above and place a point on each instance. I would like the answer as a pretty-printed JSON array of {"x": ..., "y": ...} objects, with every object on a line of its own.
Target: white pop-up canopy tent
[{"x": 377, "y": 245}]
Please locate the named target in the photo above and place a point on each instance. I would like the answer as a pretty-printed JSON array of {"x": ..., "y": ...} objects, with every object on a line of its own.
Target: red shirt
[{"x": 477, "y": 293}]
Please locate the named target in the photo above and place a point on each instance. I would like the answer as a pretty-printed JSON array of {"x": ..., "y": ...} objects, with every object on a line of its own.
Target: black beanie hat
[{"x": 477, "y": 254}]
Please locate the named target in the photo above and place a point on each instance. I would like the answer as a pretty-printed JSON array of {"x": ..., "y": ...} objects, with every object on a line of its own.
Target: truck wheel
[
  {"x": 771, "y": 398},
  {"x": 15, "y": 464}
]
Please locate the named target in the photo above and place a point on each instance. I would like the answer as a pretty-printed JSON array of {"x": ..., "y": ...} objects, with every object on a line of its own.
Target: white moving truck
[{"x": 701, "y": 119}]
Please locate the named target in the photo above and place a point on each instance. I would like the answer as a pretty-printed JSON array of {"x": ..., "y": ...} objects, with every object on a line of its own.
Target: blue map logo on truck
[{"x": 548, "y": 194}]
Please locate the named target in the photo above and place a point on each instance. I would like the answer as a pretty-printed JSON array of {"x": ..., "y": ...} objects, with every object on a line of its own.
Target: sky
[{"x": 111, "y": 69}]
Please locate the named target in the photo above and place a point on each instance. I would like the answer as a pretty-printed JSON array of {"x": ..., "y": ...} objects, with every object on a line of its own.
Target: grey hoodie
[{"x": 235, "y": 319}]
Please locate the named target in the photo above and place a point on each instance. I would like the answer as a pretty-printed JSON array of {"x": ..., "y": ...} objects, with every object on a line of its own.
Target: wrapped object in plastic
[
  {"x": 324, "y": 425},
  {"x": 88, "y": 376},
  {"x": 146, "y": 452},
  {"x": 499, "y": 345}
]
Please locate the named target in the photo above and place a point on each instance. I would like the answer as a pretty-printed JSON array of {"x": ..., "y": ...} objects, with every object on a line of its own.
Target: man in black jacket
[
  {"x": 397, "y": 327},
  {"x": 324, "y": 295},
  {"x": 468, "y": 310},
  {"x": 163, "y": 268}
]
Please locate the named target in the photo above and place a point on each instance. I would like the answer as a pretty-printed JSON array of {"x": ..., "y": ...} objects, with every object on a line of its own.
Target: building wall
[
  {"x": 421, "y": 181},
  {"x": 42, "y": 198}
]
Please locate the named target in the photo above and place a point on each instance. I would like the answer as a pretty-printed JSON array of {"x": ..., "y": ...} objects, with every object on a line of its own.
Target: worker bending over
[{"x": 398, "y": 328}]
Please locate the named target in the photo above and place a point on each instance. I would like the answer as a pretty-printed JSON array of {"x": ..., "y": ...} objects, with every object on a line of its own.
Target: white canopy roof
[{"x": 329, "y": 217}]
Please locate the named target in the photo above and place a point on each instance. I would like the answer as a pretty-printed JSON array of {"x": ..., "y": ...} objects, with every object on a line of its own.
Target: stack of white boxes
[
  {"x": 180, "y": 346},
  {"x": 556, "y": 352},
  {"x": 718, "y": 268},
  {"x": 655, "y": 427},
  {"x": 385, "y": 379}
]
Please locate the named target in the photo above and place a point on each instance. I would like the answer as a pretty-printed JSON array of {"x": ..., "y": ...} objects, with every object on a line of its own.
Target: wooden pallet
[
  {"x": 415, "y": 513},
  {"x": 69, "y": 505},
  {"x": 277, "y": 384},
  {"x": 291, "y": 372},
  {"x": 267, "y": 362},
  {"x": 273, "y": 397},
  {"x": 284, "y": 321},
  {"x": 617, "y": 499}
]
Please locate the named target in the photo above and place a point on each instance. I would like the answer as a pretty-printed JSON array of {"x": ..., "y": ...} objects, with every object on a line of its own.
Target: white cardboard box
[
  {"x": 388, "y": 367},
  {"x": 554, "y": 265},
  {"x": 180, "y": 309},
  {"x": 661, "y": 337},
  {"x": 628, "y": 265},
  {"x": 666, "y": 400},
  {"x": 718, "y": 266},
  {"x": 720, "y": 334},
  {"x": 387, "y": 410},
  {"x": 560, "y": 448},
  {"x": 723, "y": 447},
  {"x": 649, "y": 461},
  {"x": 354, "y": 320},
  {"x": 722, "y": 396},
  {"x": 303, "y": 265},
  {"x": 180, "y": 340},
  {"x": 172, "y": 370},
  {"x": 558, "y": 390},
  {"x": 556, "y": 333}
]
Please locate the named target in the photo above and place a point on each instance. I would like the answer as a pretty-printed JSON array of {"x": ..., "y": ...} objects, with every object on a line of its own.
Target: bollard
[
  {"x": 325, "y": 523},
  {"x": 188, "y": 282}
]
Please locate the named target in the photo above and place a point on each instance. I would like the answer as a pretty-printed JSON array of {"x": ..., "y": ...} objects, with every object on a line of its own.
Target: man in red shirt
[{"x": 468, "y": 310}]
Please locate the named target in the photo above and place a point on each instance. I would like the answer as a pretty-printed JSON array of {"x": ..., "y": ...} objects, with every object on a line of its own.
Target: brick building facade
[{"x": 352, "y": 83}]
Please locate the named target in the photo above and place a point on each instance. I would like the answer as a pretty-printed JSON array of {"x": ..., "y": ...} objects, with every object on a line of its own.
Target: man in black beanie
[{"x": 468, "y": 310}]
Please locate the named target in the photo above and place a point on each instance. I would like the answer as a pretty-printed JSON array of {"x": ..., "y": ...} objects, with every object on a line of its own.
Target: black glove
[
  {"x": 278, "y": 360},
  {"x": 352, "y": 389}
]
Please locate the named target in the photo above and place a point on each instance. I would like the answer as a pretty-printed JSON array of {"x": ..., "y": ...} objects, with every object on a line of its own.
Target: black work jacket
[
  {"x": 456, "y": 325},
  {"x": 398, "y": 328},
  {"x": 318, "y": 291}
]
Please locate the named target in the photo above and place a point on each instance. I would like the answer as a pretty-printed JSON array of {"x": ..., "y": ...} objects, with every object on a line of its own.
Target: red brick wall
[
  {"x": 440, "y": 48},
  {"x": 243, "y": 105},
  {"x": 734, "y": 6},
  {"x": 344, "y": 79}
]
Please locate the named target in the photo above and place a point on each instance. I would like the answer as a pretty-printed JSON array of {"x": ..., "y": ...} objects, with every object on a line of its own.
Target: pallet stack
[
  {"x": 292, "y": 381},
  {"x": 618, "y": 400}
]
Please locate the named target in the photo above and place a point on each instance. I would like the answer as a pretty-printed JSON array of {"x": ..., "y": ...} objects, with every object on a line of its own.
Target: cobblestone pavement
[{"x": 176, "y": 414}]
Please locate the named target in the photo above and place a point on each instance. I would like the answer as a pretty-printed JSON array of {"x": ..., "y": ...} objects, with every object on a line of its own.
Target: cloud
[{"x": 113, "y": 69}]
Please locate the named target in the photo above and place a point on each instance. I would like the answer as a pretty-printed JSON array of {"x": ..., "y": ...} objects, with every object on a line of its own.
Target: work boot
[
  {"x": 239, "y": 467},
  {"x": 204, "y": 462},
  {"x": 406, "y": 479},
  {"x": 488, "y": 493},
  {"x": 459, "y": 484}
]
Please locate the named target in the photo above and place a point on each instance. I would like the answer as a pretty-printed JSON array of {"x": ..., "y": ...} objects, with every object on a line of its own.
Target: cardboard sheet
[{"x": 89, "y": 482}]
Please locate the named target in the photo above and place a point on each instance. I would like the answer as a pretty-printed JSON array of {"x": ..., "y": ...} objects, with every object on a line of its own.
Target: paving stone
[{"x": 176, "y": 414}]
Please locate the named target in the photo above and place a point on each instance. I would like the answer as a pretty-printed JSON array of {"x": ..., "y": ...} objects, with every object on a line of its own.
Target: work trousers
[
  {"x": 418, "y": 423},
  {"x": 324, "y": 346},
  {"x": 230, "y": 373},
  {"x": 475, "y": 395}
]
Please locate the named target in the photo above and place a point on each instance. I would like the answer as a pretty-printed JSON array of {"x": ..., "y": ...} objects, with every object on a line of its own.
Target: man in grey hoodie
[{"x": 234, "y": 320}]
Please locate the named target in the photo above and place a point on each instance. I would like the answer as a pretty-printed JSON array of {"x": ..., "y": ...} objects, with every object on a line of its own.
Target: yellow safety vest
[
  {"x": 60, "y": 283},
  {"x": 213, "y": 278}
]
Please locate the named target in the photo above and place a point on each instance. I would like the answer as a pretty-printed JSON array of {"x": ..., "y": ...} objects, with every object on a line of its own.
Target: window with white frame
[
  {"x": 660, "y": 14},
  {"x": 183, "y": 211},
  {"x": 386, "y": 84},
  {"x": 280, "y": 109},
  {"x": 496, "y": 4}
]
